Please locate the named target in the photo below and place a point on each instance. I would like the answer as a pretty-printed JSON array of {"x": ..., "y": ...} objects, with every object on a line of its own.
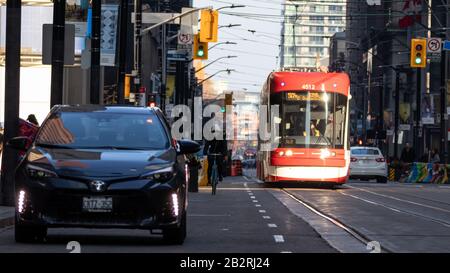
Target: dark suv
[{"x": 102, "y": 167}]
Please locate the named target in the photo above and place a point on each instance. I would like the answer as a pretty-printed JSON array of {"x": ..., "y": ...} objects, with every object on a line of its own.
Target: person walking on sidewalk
[{"x": 435, "y": 157}]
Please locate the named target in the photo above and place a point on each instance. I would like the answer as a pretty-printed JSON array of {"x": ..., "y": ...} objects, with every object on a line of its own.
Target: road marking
[
  {"x": 208, "y": 215},
  {"x": 286, "y": 252},
  {"x": 266, "y": 217},
  {"x": 262, "y": 211},
  {"x": 252, "y": 197},
  {"x": 257, "y": 205},
  {"x": 399, "y": 199},
  {"x": 272, "y": 225},
  {"x": 255, "y": 201},
  {"x": 250, "y": 193},
  {"x": 278, "y": 238}
]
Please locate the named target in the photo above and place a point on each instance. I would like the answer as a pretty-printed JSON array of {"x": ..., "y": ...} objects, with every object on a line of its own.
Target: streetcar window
[{"x": 313, "y": 119}]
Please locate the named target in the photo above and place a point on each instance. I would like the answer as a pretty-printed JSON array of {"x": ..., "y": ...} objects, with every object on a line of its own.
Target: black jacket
[{"x": 215, "y": 147}]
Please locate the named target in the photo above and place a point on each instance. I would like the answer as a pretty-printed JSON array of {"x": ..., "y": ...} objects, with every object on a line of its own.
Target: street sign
[
  {"x": 434, "y": 48},
  {"x": 404, "y": 127},
  {"x": 177, "y": 55},
  {"x": 185, "y": 39},
  {"x": 446, "y": 45}
]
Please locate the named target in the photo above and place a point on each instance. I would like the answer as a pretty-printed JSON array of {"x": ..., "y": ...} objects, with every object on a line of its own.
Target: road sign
[
  {"x": 176, "y": 55},
  {"x": 184, "y": 39},
  {"x": 434, "y": 48},
  {"x": 446, "y": 45}
]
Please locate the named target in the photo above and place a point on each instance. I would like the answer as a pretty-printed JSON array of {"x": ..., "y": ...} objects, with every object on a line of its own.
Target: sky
[{"x": 257, "y": 52}]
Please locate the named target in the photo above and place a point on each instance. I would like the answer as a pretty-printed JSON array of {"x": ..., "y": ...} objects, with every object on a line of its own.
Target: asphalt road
[
  {"x": 242, "y": 218},
  {"x": 247, "y": 216}
]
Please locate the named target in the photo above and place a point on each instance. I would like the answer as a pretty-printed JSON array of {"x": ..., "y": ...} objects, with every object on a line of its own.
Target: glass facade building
[{"x": 312, "y": 23}]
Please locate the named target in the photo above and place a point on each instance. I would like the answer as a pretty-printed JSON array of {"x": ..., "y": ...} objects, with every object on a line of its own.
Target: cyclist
[{"x": 215, "y": 149}]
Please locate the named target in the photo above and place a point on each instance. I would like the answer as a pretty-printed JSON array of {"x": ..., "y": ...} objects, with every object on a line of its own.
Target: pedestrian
[
  {"x": 425, "y": 157},
  {"x": 407, "y": 155},
  {"x": 435, "y": 156},
  {"x": 32, "y": 119}
]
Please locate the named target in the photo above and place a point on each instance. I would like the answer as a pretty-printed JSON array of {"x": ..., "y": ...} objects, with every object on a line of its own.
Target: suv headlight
[
  {"x": 38, "y": 172},
  {"x": 162, "y": 175}
]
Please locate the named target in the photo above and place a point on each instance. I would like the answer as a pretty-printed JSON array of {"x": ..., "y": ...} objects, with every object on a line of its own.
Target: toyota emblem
[{"x": 97, "y": 186}]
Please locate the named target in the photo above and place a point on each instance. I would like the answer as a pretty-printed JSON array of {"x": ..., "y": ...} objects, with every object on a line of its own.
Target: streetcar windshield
[{"x": 313, "y": 120}]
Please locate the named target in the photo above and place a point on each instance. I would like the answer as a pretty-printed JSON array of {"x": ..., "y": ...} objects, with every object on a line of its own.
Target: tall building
[{"x": 312, "y": 23}]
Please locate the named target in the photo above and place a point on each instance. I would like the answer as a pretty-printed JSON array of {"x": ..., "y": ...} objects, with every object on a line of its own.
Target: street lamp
[
  {"x": 230, "y": 25},
  {"x": 223, "y": 43},
  {"x": 224, "y": 57},
  {"x": 233, "y": 6},
  {"x": 220, "y": 71}
]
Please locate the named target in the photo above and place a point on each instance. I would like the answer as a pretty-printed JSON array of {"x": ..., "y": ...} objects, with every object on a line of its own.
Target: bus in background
[{"x": 313, "y": 128}]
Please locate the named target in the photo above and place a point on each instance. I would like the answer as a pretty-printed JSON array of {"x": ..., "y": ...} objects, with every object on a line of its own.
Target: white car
[{"x": 368, "y": 163}]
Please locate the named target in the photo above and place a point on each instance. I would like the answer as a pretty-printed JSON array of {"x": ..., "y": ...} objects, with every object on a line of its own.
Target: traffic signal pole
[
  {"x": 95, "y": 52},
  {"x": 419, "y": 130},
  {"x": 444, "y": 117},
  {"x": 12, "y": 96},
  {"x": 397, "y": 111},
  {"x": 56, "y": 91},
  {"x": 122, "y": 51}
]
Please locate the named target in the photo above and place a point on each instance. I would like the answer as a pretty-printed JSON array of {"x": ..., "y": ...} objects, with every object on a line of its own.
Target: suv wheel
[{"x": 176, "y": 235}]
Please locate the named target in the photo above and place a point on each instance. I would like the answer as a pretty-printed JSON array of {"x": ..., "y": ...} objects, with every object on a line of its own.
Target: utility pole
[
  {"x": 122, "y": 51},
  {"x": 137, "y": 44},
  {"x": 397, "y": 111},
  {"x": 95, "y": 52},
  {"x": 12, "y": 96},
  {"x": 419, "y": 130},
  {"x": 59, "y": 21}
]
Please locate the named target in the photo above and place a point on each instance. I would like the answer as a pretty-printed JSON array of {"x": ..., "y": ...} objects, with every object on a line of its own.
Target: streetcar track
[
  {"x": 399, "y": 199},
  {"x": 354, "y": 233},
  {"x": 416, "y": 196},
  {"x": 444, "y": 223}
]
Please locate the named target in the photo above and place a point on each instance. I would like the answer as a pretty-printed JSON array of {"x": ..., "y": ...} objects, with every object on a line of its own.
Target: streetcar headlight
[
  {"x": 325, "y": 153},
  {"x": 289, "y": 153}
]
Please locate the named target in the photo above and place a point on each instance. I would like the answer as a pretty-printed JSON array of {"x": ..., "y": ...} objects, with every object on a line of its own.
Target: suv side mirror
[
  {"x": 18, "y": 143},
  {"x": 188, "y": 147}
]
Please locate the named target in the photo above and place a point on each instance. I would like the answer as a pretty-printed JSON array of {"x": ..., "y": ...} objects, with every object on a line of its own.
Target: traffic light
[
  {"x": 228, "y": 99},
  {"x": 419, "y": 53},
  {"x": 200, "y": 49},
  {"x": 209, "y": 26},
  {"x": 152, "y": 100}
]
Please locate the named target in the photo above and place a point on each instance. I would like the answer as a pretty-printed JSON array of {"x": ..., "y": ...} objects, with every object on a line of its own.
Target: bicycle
[{"x": 214, "y": 174}]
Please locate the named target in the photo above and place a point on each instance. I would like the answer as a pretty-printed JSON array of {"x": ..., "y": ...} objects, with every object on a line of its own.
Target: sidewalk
[{"x": 6, "y": 216}]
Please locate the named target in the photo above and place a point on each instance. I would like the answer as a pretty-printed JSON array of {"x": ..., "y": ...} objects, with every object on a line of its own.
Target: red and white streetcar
[{"x": 313, "y": 140}]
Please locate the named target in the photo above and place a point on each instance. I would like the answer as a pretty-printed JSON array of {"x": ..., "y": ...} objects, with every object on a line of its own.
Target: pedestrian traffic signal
[
  {"x": 419, "y": 53},
  {"x": 209, "y": 26},
  {"x": 200, "y": 49}
]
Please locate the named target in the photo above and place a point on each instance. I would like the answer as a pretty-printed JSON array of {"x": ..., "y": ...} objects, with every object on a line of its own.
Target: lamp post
[
  {"x": 230, "y": 25},
  {"x": 220, "y": 71},
  {"x": 223, "y": 43},
  {"x": 225, "y": 57}
]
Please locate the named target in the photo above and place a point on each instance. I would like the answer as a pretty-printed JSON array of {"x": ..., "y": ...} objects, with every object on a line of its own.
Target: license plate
[{"x": 97, "y": 204}]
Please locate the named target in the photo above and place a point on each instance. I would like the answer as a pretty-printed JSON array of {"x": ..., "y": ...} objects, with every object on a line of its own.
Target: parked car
[
  {"x": 368, "y": 163},
  {"x": 102, "y": 167}
]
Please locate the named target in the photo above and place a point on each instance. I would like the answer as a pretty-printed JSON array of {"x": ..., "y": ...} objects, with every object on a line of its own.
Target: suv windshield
[{"x": 92, "y": 130}]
